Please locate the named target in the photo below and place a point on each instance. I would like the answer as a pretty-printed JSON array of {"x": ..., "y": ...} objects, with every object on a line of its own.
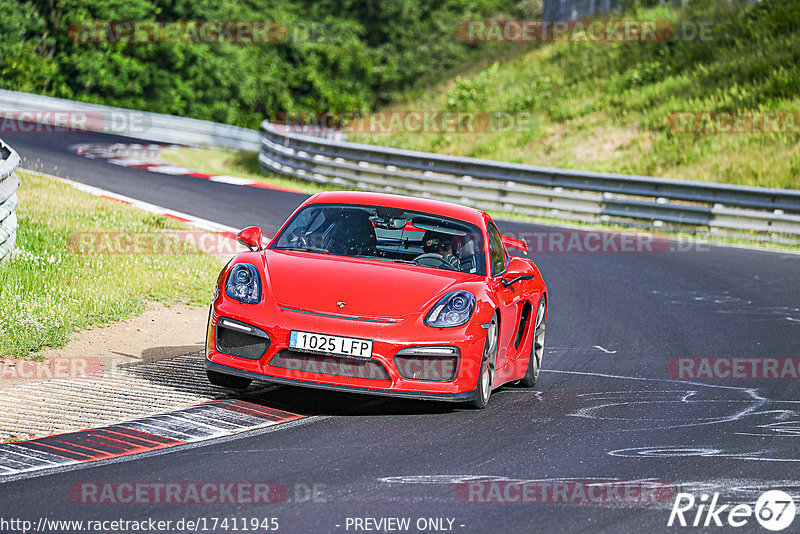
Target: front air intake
[
  {"x": 327, "y": 365},
  {"x": 240, "y": 339},
  {"x": 431, "y": 364}
]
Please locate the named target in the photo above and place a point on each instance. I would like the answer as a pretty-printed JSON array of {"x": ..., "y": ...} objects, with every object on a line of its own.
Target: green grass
[
  {"x": 47, "y": 291},
  {"x": 605, "y": 107}
]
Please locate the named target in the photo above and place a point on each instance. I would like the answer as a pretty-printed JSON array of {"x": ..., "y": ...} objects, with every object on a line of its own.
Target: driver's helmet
[
  {"x": 436, "y": 242},
  {"x": 353, "y": 234},
  {"x": 440, "y": 243}
]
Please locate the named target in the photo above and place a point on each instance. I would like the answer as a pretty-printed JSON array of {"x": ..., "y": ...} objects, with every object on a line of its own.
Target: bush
[{"x": 339, "y": 55}]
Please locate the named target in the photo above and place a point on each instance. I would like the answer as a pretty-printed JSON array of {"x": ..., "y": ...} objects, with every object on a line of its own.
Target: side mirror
[
  {"x": 518, "y": 269},
  {"x": 250, "y": 237}
]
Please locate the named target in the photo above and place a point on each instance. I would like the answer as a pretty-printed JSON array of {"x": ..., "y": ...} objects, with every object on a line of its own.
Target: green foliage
[
  {"x": 472, "y": 93},
  {"x": 335, "y": 55},
  {"x": 24, "y": 61}
]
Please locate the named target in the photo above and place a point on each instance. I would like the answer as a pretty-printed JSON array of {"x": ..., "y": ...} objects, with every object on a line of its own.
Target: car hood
[{"x": 368, "y": 288}]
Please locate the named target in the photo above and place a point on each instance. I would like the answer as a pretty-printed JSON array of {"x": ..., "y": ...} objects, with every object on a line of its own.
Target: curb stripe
[
  {"x": 107, "y": 153},
  {"x": 197, "y": 423},
  {"x": 177, "y": 218},
  {"x": 99, "y": 443},
  {"x": 15, "y": 459},
  {"x": 255, "y": 410}
]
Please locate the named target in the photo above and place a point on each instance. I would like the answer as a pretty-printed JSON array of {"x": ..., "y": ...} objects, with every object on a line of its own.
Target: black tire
[
  {"x": 228, "y": 381},
  {"x": 537, "y": 347},
  {"x": 483, "y": 390}
]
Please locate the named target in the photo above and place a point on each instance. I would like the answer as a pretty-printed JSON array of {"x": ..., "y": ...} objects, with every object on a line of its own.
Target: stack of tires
[{"x": 9, "y": 160}]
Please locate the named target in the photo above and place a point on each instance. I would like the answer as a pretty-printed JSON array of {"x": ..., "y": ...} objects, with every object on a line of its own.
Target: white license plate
[{"x": 324, "y": 344}]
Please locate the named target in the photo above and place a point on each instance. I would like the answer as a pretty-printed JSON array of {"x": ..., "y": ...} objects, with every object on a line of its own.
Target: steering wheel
[
  {"x": 436, "y": 260},
  {"x": 304, "y": 241}
]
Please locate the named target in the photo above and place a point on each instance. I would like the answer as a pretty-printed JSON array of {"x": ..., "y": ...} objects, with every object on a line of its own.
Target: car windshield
[{"x": 386, "y": 234}]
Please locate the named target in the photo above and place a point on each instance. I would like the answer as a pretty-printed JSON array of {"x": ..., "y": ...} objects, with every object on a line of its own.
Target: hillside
[
  {"x": 602, "y": 106},
  {"x": 607, "y": 106}
]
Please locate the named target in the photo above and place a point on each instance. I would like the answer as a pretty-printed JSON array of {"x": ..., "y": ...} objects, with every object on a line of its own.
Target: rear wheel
[
  {"x": 228, "y": 381},
  {"x": 488, "y": 363},
  {"x": 537, "y": 347}
]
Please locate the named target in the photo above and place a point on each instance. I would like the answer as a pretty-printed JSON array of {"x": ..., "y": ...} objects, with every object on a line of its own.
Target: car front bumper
[{"x": 379, "y": 376}]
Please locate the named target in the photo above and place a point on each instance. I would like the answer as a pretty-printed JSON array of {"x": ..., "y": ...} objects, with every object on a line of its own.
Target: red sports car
[{"x": 380, "y": 294}]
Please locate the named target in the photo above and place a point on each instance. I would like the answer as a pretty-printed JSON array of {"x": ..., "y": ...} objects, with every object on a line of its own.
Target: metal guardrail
[
  {"x": 9, "y": 161},
  {"x": 541, "y": 191},
  {"x": 148, "y": 126},
  {"x": 324, "y": 156}
]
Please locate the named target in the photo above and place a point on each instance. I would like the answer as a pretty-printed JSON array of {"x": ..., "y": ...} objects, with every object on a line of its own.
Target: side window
[{"x": 496, "y": 251}]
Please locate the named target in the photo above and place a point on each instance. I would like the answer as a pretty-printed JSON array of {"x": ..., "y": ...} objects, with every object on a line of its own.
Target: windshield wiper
[{"x": 304, "y": 249}]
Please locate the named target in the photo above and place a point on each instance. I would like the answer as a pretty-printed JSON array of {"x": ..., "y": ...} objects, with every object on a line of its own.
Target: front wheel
[
  {"x": 228, "y": 381},
  {"x": 537, "y": 348},
  {"x": 488, "y": 363}
]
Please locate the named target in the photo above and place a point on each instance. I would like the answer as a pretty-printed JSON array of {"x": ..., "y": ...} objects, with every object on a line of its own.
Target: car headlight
[
  {"x": 244, "y": 284},
  {"x": 453, "y": 309}
]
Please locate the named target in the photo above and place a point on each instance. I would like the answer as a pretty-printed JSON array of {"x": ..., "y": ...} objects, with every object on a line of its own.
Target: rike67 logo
[{"x": 774, "y": 510}]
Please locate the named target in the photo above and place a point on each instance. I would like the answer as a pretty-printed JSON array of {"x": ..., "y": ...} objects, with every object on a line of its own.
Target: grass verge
[{"x": 48, "y": 291}]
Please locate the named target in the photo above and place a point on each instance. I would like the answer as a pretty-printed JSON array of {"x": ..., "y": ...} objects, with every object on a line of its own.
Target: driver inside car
[
  {"x": 440, "y": 244},
  {"x": 351, "y": 234}
]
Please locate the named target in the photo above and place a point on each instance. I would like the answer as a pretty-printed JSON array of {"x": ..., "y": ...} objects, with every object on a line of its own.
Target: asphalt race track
[{"x": 606, "y": 409}]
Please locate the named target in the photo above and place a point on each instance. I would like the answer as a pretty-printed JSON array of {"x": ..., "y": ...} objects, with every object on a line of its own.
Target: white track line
[{"x": 197, "y": 222}]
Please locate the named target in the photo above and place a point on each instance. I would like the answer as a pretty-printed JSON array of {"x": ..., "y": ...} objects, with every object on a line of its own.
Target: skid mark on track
[
  {"x": 735, "y": 410},
  {"x": 648, "y": 379},
  {"x": 574, "y": 351},
  {"x": 725, "y": 303},
  {"x": 761, "y": 455},
  {"x": 673, "y": 408},
  {"x": 778, "y": 428},
  {"x": 440, "y": 479}
]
